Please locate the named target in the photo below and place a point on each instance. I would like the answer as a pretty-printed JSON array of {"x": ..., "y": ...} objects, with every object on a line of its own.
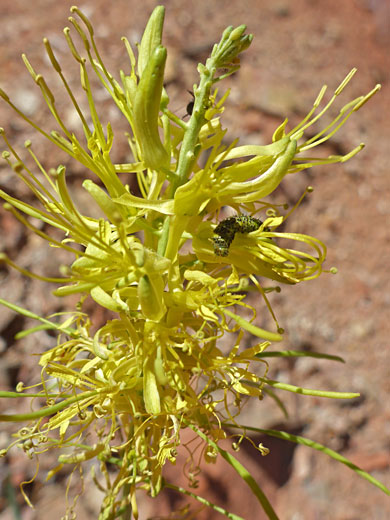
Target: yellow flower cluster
[{"x": 124, "y": 393}]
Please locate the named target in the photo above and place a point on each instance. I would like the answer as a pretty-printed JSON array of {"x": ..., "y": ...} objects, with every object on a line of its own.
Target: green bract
[{"x": 122, "y": 394}]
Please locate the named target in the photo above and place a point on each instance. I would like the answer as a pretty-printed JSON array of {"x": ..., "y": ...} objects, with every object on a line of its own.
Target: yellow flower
[{"x": 123, "y": 393}]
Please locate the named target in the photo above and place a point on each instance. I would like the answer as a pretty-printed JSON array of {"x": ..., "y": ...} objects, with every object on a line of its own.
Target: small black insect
[
  {"x": 227, "y": 229},
  {"x": 190, "y": 106}
]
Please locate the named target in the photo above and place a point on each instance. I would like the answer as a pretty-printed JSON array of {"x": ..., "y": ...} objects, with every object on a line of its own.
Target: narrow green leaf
[
  {"x": 29, "y": 314},
  {"x": 202, "y": 500},
  {"x": 243, "y": 472},
  {"x": 316, "y": 446},
  {"x": 299, "y": 353},
  {"x": 45, "y": 412},
  {"x": 23, "y": 333},
  {"x": 306, "y": 391}
]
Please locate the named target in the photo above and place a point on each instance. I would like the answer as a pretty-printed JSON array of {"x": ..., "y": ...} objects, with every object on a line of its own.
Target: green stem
[
  {"x": 187, "y": 152},
  {"x": 128, "y": 510}
]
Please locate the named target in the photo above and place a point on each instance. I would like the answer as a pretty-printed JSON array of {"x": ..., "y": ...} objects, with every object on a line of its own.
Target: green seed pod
[
  {"x": 150, "y": 387},
  {"x": 146, "y": 111},
  {"x": 150, "y": 294}
]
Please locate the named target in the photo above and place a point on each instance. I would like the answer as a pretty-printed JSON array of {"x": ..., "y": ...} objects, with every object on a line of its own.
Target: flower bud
[{"x": 151, "y": 38}]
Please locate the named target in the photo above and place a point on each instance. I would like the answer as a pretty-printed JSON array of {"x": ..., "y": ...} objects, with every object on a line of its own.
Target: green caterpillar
[{"x": 227, "y": 229}]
